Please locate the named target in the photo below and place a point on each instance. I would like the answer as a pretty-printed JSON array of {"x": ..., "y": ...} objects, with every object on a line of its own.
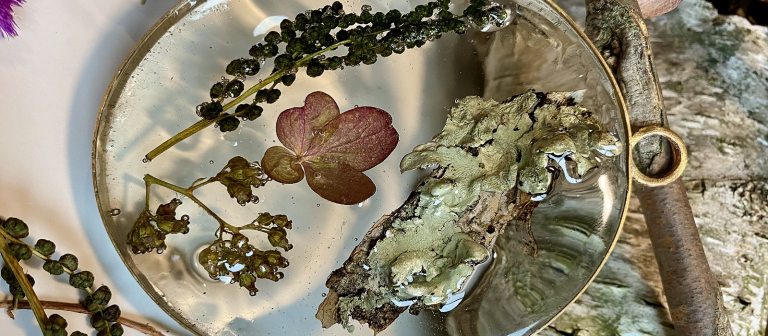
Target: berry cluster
[
  {"x": 103, "y": 317},
  {"x": 237, "y": 261},
  {"x": 304, "y": 41}
]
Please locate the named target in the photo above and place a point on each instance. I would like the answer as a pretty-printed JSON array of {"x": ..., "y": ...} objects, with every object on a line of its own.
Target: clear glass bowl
[{"x": 154, "y": 95}]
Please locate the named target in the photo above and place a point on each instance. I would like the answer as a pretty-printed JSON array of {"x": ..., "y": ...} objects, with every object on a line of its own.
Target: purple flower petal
[{"x": 7, "y": 25}]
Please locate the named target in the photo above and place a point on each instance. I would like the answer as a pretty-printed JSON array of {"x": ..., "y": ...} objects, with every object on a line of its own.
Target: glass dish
[{"x": 154, "y": 95}]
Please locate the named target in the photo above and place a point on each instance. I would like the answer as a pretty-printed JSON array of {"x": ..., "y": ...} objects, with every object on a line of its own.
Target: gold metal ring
[{"x": 680, "y": 156}]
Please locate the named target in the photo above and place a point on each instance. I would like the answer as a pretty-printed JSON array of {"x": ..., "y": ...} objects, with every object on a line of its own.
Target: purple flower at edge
[{"x": 7, "y": 25}]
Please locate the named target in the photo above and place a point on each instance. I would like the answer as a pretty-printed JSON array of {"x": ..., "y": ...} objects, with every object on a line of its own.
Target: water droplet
[
  {"x": 356, "y": 239},
  {"x": 366, "y": 8},
  {"x": 114, "y": 212},
  {"x": 318, "y": 205},
  {"x": 211, "y": 162},
  {"x": 145, "y": 160},
  {"x": 255, "y": 199},
  {"x": 323, "y": 295},
  {"x": 234, "y": 144},
  {"x": 499, "y": 17}
]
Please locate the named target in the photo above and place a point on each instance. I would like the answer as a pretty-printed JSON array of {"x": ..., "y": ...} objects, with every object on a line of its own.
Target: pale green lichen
[{"x": 485, "y": 147}]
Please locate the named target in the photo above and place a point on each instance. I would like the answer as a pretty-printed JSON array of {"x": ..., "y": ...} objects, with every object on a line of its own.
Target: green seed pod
[
  {"x": 111, "y": 313},
  {"x": 78, "y": 333},
  {"x": 288, "y": 79},
  {"x": 20, "y": 251},
  {"x": 45, "y": 247},
  {"x": 17, "y": 291},
  {"x": 272, "y": 37},
  {"x": 98, "y": 322},
  {"x": 69, "y": 261},
  {"x": 7, "y": 274},
  {"x": 282, "y": 221},
  {"x": 234, "y": 68},
  {"x": 53, "y": 267},
  {"x": 98, "y": 300},
  {"x": 81, "y": 280},
  {"x": 273, "y": 95},
  {"x": 116, "y": 329},
  {"x": 57, "y": 320},
  {"x": 315, "y": 68},
  {"x": 16, "y": 228},
  {"x": 228, "y": 124},
  {"x": 234, "y": 88},
  {"x": 218, "y": 90}
]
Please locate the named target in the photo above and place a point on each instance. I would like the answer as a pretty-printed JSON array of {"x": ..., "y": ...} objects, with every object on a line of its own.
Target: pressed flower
[
  {"x": 331, "y": 149},
  {"x": 7, "y": 25}
]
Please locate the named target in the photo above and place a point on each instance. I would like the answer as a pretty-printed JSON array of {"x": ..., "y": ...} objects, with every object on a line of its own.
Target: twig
[{"x": 144, "y": 328}]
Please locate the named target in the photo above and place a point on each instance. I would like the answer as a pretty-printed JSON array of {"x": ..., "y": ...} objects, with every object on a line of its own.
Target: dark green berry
[
  {"x": 315, "y": 68},
  {"x": 261, "y": 96},
  {"x": 257, "y": 50},
  {"x": 57, "y": 320},
  {"x": 228, "y": 124},
  {"x": 283, "y": 62},
  {"x": 300, "y": 22},
  {"x": 7, "y": 274},
  {"x": 393, "y": 16},
  {"x": 288, "y": 79},
  {"x": 287, "y": 35},
  {"x": 98, "y": 300},
  {"x": 250, "y": 67},
  {"x": 286, "y": 25},
  {"x": 235, "y": 67},
  {"x": 98, "y": 322},
  {"x": 116, "y": 329},
  {"x": 249, "y": 111},
  {"x": 273, "y": 95},
  {"x": 16, "y": 228},
  {"x": 342, "y": 35},
  {"x": 335, "y": 62},
  {"x": 111, "y": 313},
  {"x": 272, "y": 37},
  {"x": 270, "y": 50},
  {"x": 365, "y": 17},
  {"x": 81, "y": 280},
  {"x": 209, "y": 110},
  {"x": 369, "y": 58},
  {"x": 20, "y": 251},
  {"x": 69, "y": 261},
  {"x": 78, "y": 333},
  {"x": 234, "y": 88},
  {"x": 316, "y": 16},
  {"x": 336, "y": 6},
  {"x": 53, "y": 267},
  {"x": 218, "y": 90}
]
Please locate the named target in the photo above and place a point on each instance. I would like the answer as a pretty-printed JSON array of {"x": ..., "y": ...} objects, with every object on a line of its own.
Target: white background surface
[{"x": 52, "y": 78}]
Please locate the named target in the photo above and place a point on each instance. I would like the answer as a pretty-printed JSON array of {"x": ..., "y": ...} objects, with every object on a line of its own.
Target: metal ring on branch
[{"x": 680, "y": 156}]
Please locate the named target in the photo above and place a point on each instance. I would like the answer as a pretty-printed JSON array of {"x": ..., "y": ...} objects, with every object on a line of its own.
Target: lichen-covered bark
[
  {"x": 492, "y": 159},
  {"x": 714, "y": 74}
]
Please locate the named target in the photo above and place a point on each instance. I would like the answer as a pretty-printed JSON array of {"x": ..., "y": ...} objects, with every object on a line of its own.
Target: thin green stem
[
  {"x": 18, "y": 272},
  {"x": 150, "y": 180},
  {"x": 204, "y": 123}
]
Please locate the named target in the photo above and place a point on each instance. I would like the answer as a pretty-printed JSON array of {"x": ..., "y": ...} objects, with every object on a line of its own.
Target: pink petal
[
  {"x": 281, "y": 165},
  {"x": 296, "y": 126},
  {"x": 362, "y": 138},
  {"x": 338, "y": 183}
]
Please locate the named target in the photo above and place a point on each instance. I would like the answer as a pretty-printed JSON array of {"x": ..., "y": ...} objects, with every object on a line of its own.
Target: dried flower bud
[
  {"x": 45, "y": 247},
  {"x": 69, "y": 261},
  {"x": 81, "y": 280}
]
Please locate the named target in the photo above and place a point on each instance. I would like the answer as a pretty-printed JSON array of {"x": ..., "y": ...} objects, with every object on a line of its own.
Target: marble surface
[{"x": 52, "y": 78}]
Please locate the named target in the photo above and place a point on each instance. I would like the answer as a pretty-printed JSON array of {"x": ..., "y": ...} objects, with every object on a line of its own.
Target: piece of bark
[
  {"x": 714, "y": 76},
  {"x": 491, "y": 158}
]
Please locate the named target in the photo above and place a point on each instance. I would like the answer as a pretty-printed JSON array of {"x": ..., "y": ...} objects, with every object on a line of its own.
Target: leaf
[
  {"x": 296, "y": 126},
  {"x": 281, "y": 165},
  {"x": 332, "y": 149},
  {"x": 362, "y": 138},
  {"x": 339, "y": 182}
]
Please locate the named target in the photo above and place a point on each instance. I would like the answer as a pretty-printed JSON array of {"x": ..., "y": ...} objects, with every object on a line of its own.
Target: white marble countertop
[{"x": 52, "y": 78}]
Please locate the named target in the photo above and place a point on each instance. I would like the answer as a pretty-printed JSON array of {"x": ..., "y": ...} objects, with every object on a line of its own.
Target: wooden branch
[{"x": 144, "y": 328}]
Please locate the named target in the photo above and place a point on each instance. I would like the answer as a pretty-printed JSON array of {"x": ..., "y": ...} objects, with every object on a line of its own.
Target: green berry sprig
[
  {"x": 303, "y": 42},
  {"x": 104, "y": 318},
  {"x": 229, "y": 256}
]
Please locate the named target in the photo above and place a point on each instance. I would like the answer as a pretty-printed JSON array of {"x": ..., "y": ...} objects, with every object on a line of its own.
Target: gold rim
[
  {"x": 182, "y": 8},
  {"x": 624, "y": 113},
  {"x": 186, "y": 6},
  {"x": 680, "y": 156}
]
